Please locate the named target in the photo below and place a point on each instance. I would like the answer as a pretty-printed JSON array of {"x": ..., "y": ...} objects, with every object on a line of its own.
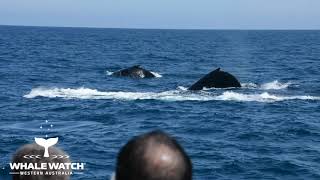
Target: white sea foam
[
  {"x": 182, "y": 88},
  {"x": 109, "y": 73},
  {"x": 86, "y": 93},
  {"x": 249, "y": 85},
  {"x": 275, "y": 85},
  {"x": 156, "y": 74},
  {"x": 261, "y": 97},
  {"x": 175, "y": 95}
]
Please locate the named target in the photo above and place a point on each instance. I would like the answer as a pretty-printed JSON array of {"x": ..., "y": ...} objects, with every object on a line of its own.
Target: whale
[
  {"x": 216, "y": 79},
  {"x": 134, "y": 72}
]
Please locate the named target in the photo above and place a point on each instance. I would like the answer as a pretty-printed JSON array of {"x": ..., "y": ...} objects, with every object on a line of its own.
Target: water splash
[
  {"x": 109, "y": 73},
  {"x": 275, "y": 85},
  {"x": 174, "y": 95}
]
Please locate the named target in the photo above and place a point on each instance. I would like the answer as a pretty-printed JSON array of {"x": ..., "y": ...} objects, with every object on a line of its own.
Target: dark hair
[
  {"x": 137, "y": 160},
  {"x": 34, "y": 149}
]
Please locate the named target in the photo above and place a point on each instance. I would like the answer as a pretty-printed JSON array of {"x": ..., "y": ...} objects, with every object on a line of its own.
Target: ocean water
[{"x": 268, "y": 129}]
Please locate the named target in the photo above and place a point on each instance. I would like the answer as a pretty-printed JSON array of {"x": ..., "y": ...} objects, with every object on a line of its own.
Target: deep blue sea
[{"x": 268, "y": 129}]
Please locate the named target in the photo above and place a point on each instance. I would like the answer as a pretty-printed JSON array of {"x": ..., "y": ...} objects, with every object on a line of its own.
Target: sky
[{"x": 164, "y": 14}]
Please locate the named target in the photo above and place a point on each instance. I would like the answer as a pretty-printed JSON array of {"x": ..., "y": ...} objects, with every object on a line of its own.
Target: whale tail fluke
[{"x": 46, "y": 143}]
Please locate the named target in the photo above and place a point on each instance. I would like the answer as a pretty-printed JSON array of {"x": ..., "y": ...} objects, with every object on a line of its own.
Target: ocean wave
[
  {"x": 174, "y": 95},
  {"x": 157, "y": 75}
]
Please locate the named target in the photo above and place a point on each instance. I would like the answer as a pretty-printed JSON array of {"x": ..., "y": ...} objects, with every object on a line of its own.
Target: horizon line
[{"x": 146, "y": 28}]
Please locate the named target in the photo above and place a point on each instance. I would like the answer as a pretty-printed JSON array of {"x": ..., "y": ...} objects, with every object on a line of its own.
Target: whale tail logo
[{"x": 46, "y": 143}]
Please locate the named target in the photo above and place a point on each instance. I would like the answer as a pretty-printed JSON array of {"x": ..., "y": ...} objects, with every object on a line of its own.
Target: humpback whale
[
  {"x": 134, "y": 72},
  {"x": 216, "y": 79}
]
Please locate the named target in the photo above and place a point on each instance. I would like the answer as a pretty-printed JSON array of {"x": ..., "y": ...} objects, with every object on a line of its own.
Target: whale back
[
  {"x": 134, "y": 72},
  {"x": 216, "y": 79}
]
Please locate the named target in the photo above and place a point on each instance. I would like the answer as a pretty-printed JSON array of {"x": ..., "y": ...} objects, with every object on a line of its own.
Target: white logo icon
[{"x": 46, "y": 143}]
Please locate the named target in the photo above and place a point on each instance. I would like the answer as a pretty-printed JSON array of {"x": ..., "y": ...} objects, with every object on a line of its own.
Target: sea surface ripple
[{"x": 268, "y": 129}]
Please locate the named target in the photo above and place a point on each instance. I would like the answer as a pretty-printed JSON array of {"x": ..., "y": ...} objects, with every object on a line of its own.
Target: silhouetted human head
[
  {"x": 28, "y": 154},
  {"x": 153, "y": 156}
]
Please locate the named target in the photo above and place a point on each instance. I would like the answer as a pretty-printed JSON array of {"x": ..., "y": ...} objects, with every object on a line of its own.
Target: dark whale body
[
  {"x": 134, "y": 72},
  {"x": 216, "y": 79}
]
